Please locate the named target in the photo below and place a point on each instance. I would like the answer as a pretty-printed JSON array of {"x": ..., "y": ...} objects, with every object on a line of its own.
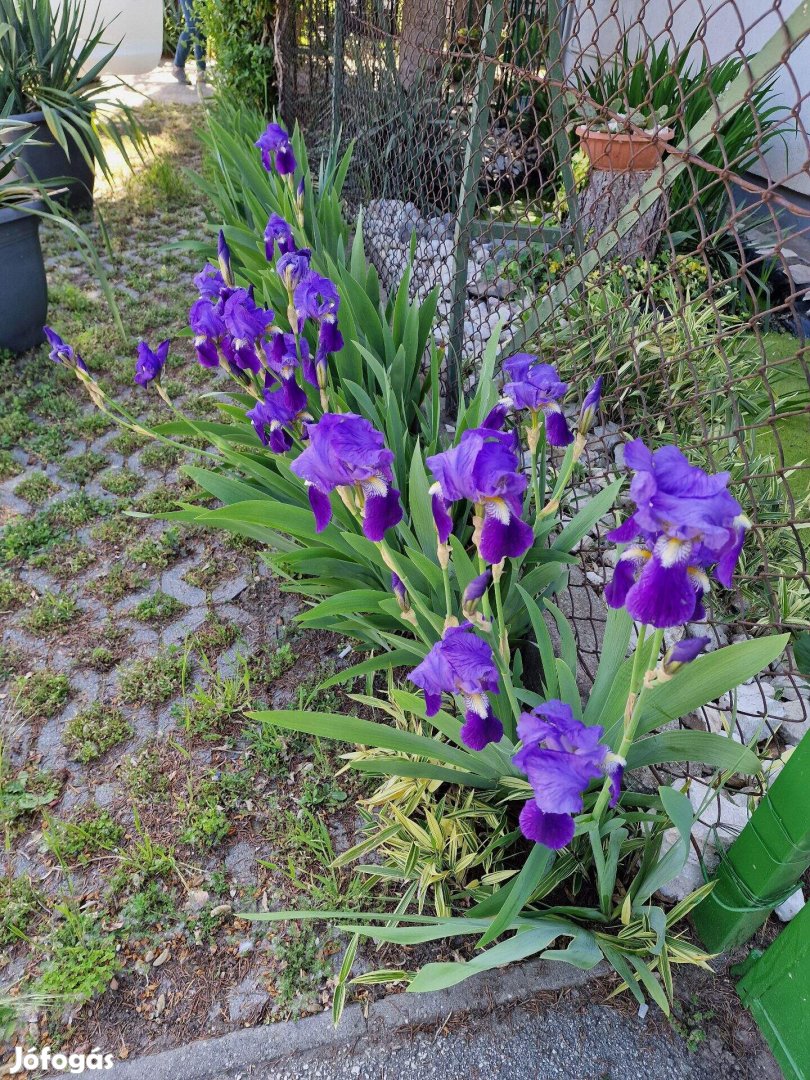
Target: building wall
[{"x": 732, "y": 27}]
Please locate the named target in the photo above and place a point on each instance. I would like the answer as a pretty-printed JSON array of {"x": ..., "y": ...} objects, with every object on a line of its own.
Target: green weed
[
  {"x": 36, "y": 488},
  {"x": 83, "y": 467},
  {"x": 94, "y": 731},
  {"x": 50, "y": 612},
  {"x": 158, "y": 608},
  {"x": 41, "y": 694},
  {"x": 153, "y": 681}
]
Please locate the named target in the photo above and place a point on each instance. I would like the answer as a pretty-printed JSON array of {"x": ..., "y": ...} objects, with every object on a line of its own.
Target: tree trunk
[
  {"x": 604, "y": 199},
  {"x": 284, "y": 55},
  {"x": 421, "y": 39}
]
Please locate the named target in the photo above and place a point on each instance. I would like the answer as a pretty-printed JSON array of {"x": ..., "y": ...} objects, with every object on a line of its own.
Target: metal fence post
[
  {"x": 556, "y": 80},
  {"x": 337, "y": 71},
  {"x": 468, "y": 194}
]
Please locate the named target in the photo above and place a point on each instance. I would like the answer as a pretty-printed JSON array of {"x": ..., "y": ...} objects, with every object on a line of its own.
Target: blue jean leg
[{"x": 189, "y": 35}]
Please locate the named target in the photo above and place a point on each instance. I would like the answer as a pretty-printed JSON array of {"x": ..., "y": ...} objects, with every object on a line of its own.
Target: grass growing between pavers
[{"x": 142, "y": 809}]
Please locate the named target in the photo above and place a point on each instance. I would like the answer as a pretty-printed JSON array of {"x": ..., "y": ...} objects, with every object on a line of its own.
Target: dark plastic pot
[
  {"x": 24, "y": 294},
  {"x": 44, "y": 159}
]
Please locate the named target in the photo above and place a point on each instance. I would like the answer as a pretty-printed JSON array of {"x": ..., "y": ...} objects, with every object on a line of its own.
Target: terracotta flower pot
[{"x": 620, "y": 151}]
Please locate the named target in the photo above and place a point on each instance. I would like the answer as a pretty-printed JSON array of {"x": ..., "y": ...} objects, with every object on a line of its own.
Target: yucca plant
[{"x": 47, "y": 65}]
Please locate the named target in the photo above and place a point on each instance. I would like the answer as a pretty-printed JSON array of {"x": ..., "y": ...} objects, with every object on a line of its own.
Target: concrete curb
[{"x": 210, "y": 1059}]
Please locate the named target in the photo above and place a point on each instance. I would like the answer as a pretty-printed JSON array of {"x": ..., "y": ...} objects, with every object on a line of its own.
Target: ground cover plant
[{"x": 442, "y": 554}]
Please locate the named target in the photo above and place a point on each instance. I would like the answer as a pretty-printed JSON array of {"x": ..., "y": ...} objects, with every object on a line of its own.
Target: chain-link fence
[{"x": 622, "y": 188}]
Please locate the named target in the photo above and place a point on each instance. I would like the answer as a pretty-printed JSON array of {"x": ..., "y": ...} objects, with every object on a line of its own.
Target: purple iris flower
[
  {"x": 282, "y": 353},
  {"x": 462, "y": 663},
  {"x": 483, "y": 468},
  {"x": 277, "y": 232},
  {"x": 560, "y": 756},
  {"x": 277, "y": 150},
  {"x": 279, "y": 411},
  {"x": 293, "y": 267},
  {"x": 345, "y": 451},
  {"x": 685, "y": 521},
  {"x": 243, "y": 318},
  {"x": 150, "y": 364},
  {"x": 538, "y": 388},
  {"x": 590, "y": 407},
  {"x": 208, "y": 328},
  {"x": 316, "y": 297},
  {"x": 330, "y": 340},
  {"x": 61, "y": 352},
  {"x": 224, "y": 259},
  {"x": 210, "y": 283},
  {"x": 477, "y": 587},
  {"x": 397, "y": 587},
  {"x": 683, "y": 652}
]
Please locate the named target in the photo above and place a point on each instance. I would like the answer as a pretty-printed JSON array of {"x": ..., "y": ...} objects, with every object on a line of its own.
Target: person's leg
[
  {"x": 194, "y": 33},
  {"x": 184, "y": 41}
]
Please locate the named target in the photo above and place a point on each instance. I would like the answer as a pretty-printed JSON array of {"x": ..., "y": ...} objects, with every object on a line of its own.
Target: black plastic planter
[
  {"x": 24, "y": 292},
  {"x": 44, "y": 159}
]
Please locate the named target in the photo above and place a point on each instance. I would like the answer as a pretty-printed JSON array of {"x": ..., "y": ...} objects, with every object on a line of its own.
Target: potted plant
[
  {"x": 624, "y": 140},
  {"x": 49, "y": 80},
  {"x": 24, "y": 296},
  {"x": 23, "y": 204}
]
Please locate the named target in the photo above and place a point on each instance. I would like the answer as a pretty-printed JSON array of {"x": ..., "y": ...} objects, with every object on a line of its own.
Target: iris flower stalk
[
  {"x": 639, "y": 684},
  {"x": 590, "y": 407}
]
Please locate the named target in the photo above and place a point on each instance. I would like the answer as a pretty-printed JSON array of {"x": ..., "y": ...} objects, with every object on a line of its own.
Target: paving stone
[
  {"x": 240, "y": 863},
  {"x": 246, "y": 1000},
  {"x": 104, "y": 794},
  {"x": 178, "y": 631},
  {"x": 49, "y": 745},
  {"x": 229, "y": 590},
  {"x": 172, "y": 583},
  {"x": 799, "y": 273}
]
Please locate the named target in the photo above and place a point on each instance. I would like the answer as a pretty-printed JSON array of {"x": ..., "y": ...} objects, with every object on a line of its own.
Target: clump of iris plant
[{"x": 686, "y": 526}]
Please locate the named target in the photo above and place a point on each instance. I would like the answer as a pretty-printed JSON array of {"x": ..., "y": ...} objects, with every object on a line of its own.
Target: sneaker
[{"x": 180, "y": 74}]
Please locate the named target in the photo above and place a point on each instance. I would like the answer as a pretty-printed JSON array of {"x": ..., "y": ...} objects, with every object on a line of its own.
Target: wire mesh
[{"x": 623, "y": 189}]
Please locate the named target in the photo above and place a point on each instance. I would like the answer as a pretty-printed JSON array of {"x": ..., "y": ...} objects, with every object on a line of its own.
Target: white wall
[
  {"x": 733, "y": 28},
  {"x": 138, "y": 24}
]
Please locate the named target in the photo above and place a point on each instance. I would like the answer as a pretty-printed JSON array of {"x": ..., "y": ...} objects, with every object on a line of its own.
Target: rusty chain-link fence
[{"x": 621, "y": 187}]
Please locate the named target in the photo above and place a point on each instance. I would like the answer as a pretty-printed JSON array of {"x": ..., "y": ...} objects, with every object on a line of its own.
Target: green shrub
[{"x": 240, "y": 37}]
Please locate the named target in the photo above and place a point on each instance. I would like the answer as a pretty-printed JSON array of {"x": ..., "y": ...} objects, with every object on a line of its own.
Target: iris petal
[{"x": 552, "y": 830}]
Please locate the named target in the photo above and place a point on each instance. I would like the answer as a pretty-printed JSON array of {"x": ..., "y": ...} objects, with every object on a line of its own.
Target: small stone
[
  {"x": 220, "y": 909},
  {"x": 791, "y": 907},
  {"x": 159, "y": 961},
  {"x": 196, "y": 900},
  {"x": 245, "y": 948}
]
